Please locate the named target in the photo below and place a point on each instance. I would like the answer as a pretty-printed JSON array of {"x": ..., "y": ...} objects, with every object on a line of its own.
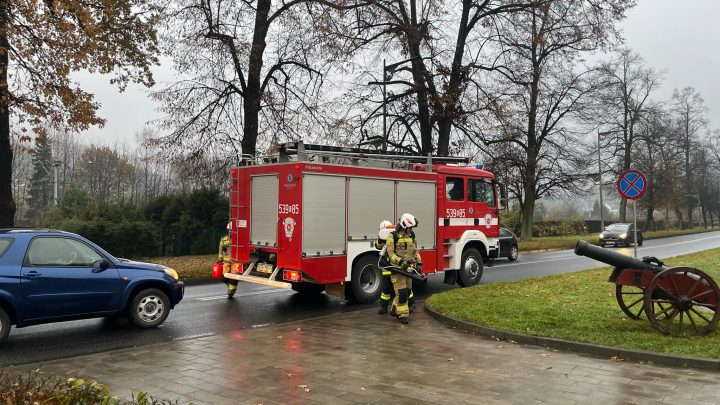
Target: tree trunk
[
  {"x": 422, "y": 100},
  {"x": 649, "y": 219},
  {"x": 7, "y": 204},
  {"x": 251, "y": 101},
  {"x": 679, "y": 215},
  {"x": 453, "y": 92}
]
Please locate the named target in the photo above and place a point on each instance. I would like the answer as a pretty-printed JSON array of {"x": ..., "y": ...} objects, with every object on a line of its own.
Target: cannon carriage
[{"x": 676, "y": 300}]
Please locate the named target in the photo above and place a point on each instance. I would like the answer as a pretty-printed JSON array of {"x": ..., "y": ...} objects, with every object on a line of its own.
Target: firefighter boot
[
  {"x": 231, "y": 289},
  {"x": 383, "y": 306},
  {"x": 411, "y": 302}
]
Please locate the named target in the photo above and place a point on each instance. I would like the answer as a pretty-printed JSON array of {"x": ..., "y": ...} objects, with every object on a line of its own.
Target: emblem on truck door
[
  {"x": 289, "y": 227},
  {"x": 488, "y": 220}
]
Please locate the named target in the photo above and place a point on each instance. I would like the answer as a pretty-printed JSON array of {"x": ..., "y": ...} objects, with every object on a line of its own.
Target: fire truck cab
[{"x": 307, "y": 218}]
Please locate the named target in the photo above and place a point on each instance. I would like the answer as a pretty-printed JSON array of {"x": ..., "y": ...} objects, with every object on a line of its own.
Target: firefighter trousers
[
  {"x": 388, "y": 293},
  {"x": 231, "y": 284},
  {"x": 401, "y": 286}
]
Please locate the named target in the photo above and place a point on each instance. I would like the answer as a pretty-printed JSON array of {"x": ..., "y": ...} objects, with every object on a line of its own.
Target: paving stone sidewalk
[{"x": 362, "y": 357}]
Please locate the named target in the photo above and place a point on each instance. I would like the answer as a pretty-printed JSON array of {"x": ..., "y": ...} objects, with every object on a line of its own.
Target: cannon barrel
[{"x": 582, "y": 248}]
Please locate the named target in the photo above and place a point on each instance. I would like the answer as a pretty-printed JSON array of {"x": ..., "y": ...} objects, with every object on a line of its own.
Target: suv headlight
[
  {"x": 601, "y": 236},
  {"x": 623, "y": 236},
  {"x": 172, "y": 273}
]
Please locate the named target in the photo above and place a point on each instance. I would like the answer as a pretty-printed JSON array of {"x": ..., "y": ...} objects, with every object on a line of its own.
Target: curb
[
  {"x": 541, "y": 250},
  {"x": 641, "y": 356}
]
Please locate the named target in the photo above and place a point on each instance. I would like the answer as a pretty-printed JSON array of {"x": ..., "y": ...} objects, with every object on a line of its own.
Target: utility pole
[
  {"x": 602, "y": 207},
  {"x": 56, "y": 164}
]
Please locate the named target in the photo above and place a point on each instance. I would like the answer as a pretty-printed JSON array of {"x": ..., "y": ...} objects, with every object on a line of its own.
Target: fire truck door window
[
  {"x": 481, "y": 191},
  {"x": 454, "y": 189}
]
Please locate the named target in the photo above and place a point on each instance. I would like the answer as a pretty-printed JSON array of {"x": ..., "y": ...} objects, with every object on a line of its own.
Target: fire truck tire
[
  {"x": 308, "y": 288},
  {"x": 471, "y": 270},
  {"x": 366, "y": 283}
]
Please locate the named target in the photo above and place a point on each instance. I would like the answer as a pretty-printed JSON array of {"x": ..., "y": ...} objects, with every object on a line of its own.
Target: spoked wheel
[
  {"x": 682, "y": 301},
  {"x": 631, "y": 300}
]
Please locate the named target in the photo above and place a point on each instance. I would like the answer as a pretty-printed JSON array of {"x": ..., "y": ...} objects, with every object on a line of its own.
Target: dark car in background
[
  {"x": 50, "y": 276},
  {"x": 620, "y": 234},
  {"x": 508, "y": 245}
]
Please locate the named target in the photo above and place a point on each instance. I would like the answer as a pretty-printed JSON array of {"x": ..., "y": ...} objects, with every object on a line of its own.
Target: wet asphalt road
[{"x": 206, "y": 311}]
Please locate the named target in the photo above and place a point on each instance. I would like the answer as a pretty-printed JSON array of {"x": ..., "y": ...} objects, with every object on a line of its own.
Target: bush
[
  {"x": 33, "y": 388},
  {"x": 123, "y": 239}
]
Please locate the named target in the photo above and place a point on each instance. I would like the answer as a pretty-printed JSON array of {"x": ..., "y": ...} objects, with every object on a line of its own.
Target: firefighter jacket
[
  {"x": 224, "y": 250},
  {"x": 402, "y": 247}
]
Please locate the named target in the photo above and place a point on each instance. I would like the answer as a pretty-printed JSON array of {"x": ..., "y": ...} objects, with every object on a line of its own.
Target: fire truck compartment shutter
[
  {"x": 370, "y": 201},
  {"x": 418, "y": 198},
  {"x": 264, "y": 210},
  {"x": 323, "y": 224}
]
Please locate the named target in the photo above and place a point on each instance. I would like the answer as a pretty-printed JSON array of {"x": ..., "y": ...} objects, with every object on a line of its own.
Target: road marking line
[
  {"x": 224, "y": 297},
  {"x": 199, "y": 335}
]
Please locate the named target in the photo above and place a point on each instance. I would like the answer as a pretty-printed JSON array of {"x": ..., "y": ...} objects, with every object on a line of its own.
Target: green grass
[
  {"x": 568, "y": 242},
  {"x": 576, "y": 306}
]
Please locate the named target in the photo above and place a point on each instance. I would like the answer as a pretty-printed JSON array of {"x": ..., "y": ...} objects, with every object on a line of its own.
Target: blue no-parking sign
[{"x": 632, "y": 184}]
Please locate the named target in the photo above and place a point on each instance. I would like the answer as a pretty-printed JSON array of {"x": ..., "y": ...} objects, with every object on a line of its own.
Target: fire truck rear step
[{"x": 269, "y": 281}]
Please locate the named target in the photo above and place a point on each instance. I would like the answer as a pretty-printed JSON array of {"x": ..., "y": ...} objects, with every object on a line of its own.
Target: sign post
[{"x": 632, "y": 185}]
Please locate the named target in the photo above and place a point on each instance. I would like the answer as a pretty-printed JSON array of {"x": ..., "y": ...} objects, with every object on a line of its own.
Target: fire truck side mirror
[{"x": 502, "y": 188}]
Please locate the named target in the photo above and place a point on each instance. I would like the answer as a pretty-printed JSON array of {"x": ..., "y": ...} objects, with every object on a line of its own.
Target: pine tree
[{"x": 40, "y": 193}]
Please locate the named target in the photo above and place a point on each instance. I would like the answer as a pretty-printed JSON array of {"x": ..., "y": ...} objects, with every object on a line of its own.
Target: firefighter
[
  {"x": 384, "y": 231},
  {"x": 224, "y": 258},
  {"x": 403, "y": 252}
]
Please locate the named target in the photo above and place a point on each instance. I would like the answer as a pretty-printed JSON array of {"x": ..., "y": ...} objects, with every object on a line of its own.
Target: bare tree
[
  {"x": 542, "y": 91},
  {"x": 248, "y": 69},
  {"x": 690, "y": 111},
  {"x": 629, "y": 82}
]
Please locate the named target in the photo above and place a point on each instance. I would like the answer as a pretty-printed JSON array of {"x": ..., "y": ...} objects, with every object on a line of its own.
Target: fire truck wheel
[
  {"x": 366, "y": 283},
  {"x": 471, "y": 270},
  {"x": 308, "y": 288}
]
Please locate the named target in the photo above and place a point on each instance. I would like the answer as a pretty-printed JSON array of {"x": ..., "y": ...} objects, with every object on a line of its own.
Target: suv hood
[{"x": 131, "y": 264}]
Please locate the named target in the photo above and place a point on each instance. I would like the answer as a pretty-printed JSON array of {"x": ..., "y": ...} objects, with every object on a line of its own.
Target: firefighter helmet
[
  {"x": 407, "y": 220},
  {"x": 384, "y": 230}
]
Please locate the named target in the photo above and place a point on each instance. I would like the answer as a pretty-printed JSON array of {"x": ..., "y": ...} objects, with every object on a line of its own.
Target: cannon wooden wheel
[
  {"x": 631, "y": 300},
  {"x": 682, "y": 301}
]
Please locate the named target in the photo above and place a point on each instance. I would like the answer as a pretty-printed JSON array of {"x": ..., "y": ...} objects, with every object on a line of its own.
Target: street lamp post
[
  {"x": 388, "y": 69},
  {"x": 56, "y": 164}
]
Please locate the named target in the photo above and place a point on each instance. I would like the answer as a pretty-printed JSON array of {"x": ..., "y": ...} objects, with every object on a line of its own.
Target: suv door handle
[{"x": 32, "y": 274}]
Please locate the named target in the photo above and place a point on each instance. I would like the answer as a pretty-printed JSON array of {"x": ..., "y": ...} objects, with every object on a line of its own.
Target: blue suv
[{"x": 50, "y": 276}]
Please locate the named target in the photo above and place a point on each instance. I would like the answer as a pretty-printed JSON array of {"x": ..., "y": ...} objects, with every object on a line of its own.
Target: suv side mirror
[{"x": 100, "y": 265}]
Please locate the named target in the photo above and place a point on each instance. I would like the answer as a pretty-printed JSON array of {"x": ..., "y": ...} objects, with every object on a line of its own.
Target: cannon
[{"x": 677, "y": 301}]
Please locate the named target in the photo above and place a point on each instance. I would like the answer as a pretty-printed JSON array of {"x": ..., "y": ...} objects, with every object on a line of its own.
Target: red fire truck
[{"x": 306, "y": 218}]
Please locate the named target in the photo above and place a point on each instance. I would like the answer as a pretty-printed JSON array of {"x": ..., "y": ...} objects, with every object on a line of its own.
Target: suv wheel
[
  {"x": 4, "y": 325},
  {"x": 149, "y": 308}
]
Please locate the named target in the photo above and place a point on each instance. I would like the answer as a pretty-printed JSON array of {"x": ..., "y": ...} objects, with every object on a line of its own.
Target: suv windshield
[{"x": 618, "y": 227}]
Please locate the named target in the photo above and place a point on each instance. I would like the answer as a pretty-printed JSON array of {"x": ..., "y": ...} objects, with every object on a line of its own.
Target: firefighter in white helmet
[
  {"x": 403, "y": 252},
  {"x": 384, "y": 231},
  {"x": 224, "y": 258}
]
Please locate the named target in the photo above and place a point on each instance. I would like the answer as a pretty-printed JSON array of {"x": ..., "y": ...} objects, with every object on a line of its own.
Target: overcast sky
[{"x": 682, "y": 37}]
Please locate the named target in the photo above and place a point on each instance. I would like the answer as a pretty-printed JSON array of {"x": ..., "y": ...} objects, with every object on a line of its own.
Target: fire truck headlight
[{"x": 172, "y": 273}]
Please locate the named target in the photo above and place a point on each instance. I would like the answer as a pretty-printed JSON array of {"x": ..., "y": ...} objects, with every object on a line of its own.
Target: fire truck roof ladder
[{"x": 358, "y": 156}]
